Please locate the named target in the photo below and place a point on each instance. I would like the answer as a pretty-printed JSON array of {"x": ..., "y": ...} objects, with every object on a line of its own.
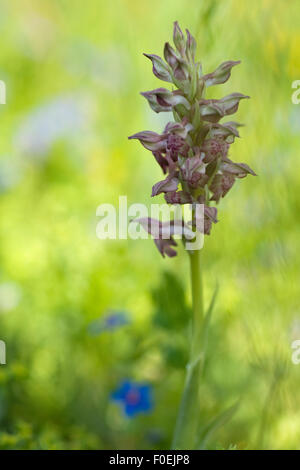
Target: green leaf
[
  {"x": 216, "y": 423},
  {"x": 192, "y": 382}
]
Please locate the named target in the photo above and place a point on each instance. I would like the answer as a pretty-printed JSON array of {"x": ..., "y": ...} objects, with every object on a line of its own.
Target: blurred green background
[{"x": 73, "y": 72}]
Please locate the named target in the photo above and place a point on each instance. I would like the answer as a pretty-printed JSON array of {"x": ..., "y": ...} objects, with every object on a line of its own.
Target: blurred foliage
[{"x": 73, "y": 72}]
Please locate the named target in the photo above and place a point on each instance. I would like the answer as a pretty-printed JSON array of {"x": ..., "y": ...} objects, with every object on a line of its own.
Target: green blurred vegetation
[{"x": 73, "y": 72}]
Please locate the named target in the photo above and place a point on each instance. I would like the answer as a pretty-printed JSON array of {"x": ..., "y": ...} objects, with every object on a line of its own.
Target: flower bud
[
  {"x": 170, "y": 55},
  {"x": 163, "y": 100},
  {"x": 210, "y": 216},
  {"x": 178, "y": 39},
  {"x": 178, "y": 65},
  {"x": 181, "y": 72},
  {"x": 230, "y": 103},
  {"x": 190, "y": 46},
  {"x": 178, "y": 128},
  {"x": 221, "y": 74},
  {"x": 227, "y": 131},
  {"x": 220, "y": 186},
  {"x": 210, "y": 111},
  {"x": 214, "y": 110},
  {"x": 240, "y": 170},
  {"x": 150, "y": 140},
  {"x": 160, "y": 69},
  {"x": 211, "y": 213}
]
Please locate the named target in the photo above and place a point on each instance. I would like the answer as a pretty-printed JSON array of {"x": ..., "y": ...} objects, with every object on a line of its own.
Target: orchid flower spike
[{"x": 192, "y": 151}]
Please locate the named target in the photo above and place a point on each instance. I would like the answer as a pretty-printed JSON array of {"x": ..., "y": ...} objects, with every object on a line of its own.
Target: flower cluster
[{"x": 193, "y": 150}]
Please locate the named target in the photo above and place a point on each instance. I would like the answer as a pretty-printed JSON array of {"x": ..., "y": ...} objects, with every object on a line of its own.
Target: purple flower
[
  {"x": 165, "y": 186},
  {"x": 214, "y": 148},
  {"x": 163, "y": 232},
  {"x": 166, "y": 147},
  {"x": 62, "y": 118},
  {"x": 134, "y": 397}
]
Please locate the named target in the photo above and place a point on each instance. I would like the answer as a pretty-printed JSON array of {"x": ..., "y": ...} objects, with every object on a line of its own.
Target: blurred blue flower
[
  {"x": 134, "y": 397},
  {"x": 62, "y": 118},
  {"x": 10, "y": 174},
  {"x": 113, "y": 320},
  {"x": 155, "y": 436}
]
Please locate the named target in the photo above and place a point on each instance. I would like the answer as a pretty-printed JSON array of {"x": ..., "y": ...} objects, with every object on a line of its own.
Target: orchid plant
[{"x": 193, "y": 153}]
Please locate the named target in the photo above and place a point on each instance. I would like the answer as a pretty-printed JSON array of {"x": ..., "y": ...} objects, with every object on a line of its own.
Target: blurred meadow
[{"x": 80, "y": 316}]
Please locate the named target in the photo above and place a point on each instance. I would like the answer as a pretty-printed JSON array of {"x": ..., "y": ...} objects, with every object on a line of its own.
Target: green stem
[
  {"x": 188, "y": 417},
  {"x": 197, "y": 298}
]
